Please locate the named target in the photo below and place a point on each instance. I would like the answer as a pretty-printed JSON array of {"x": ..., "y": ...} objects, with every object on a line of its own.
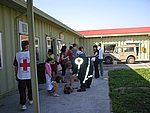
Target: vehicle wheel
[
  {"x": 131, "y": 60},
  {"x": 108, "y": 60}
]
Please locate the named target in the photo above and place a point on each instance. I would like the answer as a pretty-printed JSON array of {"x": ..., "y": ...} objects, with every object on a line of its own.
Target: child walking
[{"x": 52, "y": 86}]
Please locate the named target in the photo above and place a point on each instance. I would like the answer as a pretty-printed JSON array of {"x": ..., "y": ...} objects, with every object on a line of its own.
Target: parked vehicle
[{"x": 124, "y": 53}]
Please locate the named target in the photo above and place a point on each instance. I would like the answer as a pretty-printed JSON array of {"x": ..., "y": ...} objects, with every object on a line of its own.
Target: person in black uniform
[
  {"x": 84, "y": 70},
  {"x": 96, "y": 52}
]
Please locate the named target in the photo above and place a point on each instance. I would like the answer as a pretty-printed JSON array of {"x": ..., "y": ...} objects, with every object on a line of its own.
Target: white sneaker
[
  {"x": 23, "y": 107},
  {"x": 55, "y": 95},
  {"x": 31, "y": 102}
]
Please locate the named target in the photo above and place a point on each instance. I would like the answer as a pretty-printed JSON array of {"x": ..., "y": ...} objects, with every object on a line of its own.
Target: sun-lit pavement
[{"x": 94, "y": 100}]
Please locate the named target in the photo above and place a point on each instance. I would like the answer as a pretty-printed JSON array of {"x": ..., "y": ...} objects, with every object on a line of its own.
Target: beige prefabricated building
[{"x": 49, "y": 33}]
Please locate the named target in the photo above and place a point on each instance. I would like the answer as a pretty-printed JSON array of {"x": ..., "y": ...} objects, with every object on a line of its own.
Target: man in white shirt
[
  {"x": 23, "y": 74},
  {"x": 100, "y": 58}
]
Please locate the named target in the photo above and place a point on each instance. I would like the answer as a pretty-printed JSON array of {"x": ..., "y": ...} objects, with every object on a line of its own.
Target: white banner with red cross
[{"x": 23, "y": 59}]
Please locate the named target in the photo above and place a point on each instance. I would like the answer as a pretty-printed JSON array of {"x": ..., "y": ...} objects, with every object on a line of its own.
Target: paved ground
[{"x": 94, "y": 100}]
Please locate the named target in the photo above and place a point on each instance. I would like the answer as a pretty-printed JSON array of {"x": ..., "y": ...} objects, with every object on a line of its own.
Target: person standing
[
  {"x": 74, "y": 50},
  {"x": 53, "y": 63},
  {"x": 81, "y": 58},
  {"x": 63, "y": 60},
  {"x": 74, "y": 55},
  {"x": 52, "y": 86},
  {"x": 69, "y": 54},
  {"x": 74, "y": 67},
  {"x": 23, "y": 74},
  {"x": 96, "y": 53},
  {"x": 100, "y": 58},
  {"x": 81, "y": 52},
  {"x": 85, "y": 70}
]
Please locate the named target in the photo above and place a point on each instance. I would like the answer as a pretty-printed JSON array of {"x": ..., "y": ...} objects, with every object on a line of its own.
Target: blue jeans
[{"x": 100, "y": 61}]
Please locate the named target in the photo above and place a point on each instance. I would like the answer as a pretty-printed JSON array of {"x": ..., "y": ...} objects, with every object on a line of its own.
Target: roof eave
[
  {"x": 116, "y": 35},
  {"x": 48, "y": 17}
]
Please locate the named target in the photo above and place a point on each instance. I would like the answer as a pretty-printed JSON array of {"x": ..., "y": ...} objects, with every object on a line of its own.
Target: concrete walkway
[{"x": 94, "y": 100}]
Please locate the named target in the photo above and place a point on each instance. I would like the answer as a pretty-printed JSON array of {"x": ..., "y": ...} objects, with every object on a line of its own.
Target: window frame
[{"x": 1, "y": 53}]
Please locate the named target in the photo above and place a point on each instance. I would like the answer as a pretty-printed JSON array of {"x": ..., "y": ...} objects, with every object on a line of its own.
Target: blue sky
[{"x": 98, "y": 14}]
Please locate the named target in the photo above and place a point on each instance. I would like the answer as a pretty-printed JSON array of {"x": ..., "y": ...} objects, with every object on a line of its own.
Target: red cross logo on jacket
[{"x": 25, "y": 65}]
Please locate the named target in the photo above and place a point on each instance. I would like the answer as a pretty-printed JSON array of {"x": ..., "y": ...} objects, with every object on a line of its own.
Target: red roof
[{"x": 116, "y": 31}]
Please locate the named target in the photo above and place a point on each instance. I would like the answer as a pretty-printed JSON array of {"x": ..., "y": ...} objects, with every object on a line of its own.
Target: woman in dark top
[
  {"x": 63, "y": 61},
  {"x": 96, "y": 52}
]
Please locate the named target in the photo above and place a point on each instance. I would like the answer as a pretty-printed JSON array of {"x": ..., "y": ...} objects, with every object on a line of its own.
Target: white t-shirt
[
  {"x": 23, "y": 60},
  {"x": 101, "y": 52}
]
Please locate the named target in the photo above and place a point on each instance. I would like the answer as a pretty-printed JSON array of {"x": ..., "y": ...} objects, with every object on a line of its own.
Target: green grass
[{"x": 130, "y": 90}]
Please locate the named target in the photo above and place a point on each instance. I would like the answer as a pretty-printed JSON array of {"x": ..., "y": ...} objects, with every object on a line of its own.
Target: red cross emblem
[
  {"x": 25, "y": 64},
  {"x": 79, "y": 60}
]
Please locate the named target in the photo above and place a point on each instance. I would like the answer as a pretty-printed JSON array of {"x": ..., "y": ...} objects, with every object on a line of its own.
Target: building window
[
  {"x": 109, "y": 48},
  {"x": 129, "y": 49},
  {"x": 23, "y": 28},
  {"x": 37, "y": 49},
  {"x": 137, "y": 48},
  {"x": 48, "y": 43},
  {"x": 59, "y": 46},
  {"x": 1, "y": 55}
]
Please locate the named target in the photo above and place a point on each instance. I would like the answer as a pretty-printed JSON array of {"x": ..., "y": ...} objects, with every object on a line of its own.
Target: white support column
[{"x": 30, "y": 16}]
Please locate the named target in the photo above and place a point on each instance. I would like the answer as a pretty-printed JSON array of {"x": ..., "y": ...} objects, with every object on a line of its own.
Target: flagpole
[{"x": 30, "y": 17}]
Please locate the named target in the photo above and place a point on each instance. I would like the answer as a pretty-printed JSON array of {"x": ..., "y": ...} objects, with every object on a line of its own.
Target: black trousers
[
  {"x": 22, "y": 86},
  {"x": 96, "y": 69},
  {"x": 88, "y": 82},
  {"x": 63, "y": 65},
  {"x": 82, "y": 86},
  {"x": 74, "y": 66}
]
